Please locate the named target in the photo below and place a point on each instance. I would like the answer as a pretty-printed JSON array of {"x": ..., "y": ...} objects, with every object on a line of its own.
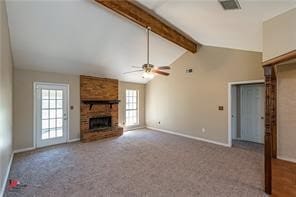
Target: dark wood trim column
[
  {"x": 274, "y": 116},
  {"x": 270, "y": 123}
]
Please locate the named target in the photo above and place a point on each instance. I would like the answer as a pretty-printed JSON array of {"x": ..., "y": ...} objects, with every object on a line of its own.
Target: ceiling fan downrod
[{"x": 148, "y": 31}]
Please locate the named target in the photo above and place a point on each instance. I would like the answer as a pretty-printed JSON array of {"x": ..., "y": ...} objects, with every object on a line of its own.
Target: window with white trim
[{"x": 131, "y": 109}]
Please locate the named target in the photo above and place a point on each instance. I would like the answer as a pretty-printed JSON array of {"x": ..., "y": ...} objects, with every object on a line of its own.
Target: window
[{"x": 131, "y": 113}]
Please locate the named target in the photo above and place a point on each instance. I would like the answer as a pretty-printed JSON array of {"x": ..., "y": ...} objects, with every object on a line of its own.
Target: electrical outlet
[
  {"x": 203, "y": 130},
  {"x": 189, "y": 70}
]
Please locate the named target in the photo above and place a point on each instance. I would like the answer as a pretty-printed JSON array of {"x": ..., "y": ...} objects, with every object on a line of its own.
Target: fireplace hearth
[{"x": 100, "y": 123}]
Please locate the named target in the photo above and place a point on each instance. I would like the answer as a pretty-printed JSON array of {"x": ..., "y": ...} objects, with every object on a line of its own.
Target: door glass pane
[
  {"x": 59, "y": 122},
  {"x": 44, "y": 104},
  {"x": 52, "y": 123},
  {"x": 59, "y": 132},
  {"x": 45, "y": 124},
  {"x": 52, "y": 104},
  {"x": 52, "y": 113},
  {"x": 45, "y": 135},
  {"x": 52, "y": 94},
  {"x": 59, "y": 113},
  {"x": 45, "y": 114},
  {"x": 52, "y": 133},
  {"x": 45, "y": 94},
  {"x": 59, "y": 94},
  {"x": 59, "y": 103}
]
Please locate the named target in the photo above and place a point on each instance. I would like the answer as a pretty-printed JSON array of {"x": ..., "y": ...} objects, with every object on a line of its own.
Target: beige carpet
[{"x": 140, "y": 163}]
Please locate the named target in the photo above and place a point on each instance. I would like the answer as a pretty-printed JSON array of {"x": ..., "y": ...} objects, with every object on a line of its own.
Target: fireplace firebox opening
[{"x": 99, "y": 123}]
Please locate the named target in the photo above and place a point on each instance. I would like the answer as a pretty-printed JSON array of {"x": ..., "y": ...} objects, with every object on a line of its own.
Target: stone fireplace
[{"x": 98, "y": 108}]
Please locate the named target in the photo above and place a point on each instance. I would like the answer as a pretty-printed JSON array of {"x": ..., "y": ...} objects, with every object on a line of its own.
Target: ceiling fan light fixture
[{"x": 148, "y": 75}]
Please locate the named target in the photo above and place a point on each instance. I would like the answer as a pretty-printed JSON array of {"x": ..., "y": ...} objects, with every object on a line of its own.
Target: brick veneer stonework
[{"x": 94, "y": 88}]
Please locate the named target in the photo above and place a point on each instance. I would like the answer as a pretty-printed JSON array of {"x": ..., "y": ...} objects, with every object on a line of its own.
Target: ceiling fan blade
[
  {"x": 163, "y": 68},
  {"x": 133, "y": 71},
  {"x": 160, "y": 72},
  {"x": 136, "y": 66}
]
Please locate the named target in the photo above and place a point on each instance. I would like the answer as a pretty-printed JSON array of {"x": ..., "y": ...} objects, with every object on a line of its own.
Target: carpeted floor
[{"x": 140, "y": 163}]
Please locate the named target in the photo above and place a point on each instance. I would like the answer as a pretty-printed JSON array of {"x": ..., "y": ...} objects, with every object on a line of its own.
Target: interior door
[
  {"x": 252, "y": 113},
  {"x": 51, "y": 114},
  {"x": 234, "y": 112}
]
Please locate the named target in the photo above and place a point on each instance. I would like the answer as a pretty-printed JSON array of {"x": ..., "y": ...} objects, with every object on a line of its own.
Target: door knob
[{"x": 262, "y": 117}]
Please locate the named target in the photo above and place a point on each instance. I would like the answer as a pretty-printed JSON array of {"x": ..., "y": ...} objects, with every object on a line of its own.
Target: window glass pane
[
  {"x": 52, "y": 113},
  {"x": 59, "y": 113},
  {"x": 59, "y": 122},
  {"x": 59, "y": 94},
  {"x": 59, "y": 132},
  {"x": 52, "y": 123},
  {"x": 52, "y": 104},
  {"x": 52, "y": 94},
  {"x": 45, "y": 124},
  {"x": 59, "y": 103},
  {"x": 45, "y": 114},
  {"x": 131, "y": 107},
  {"x": 44, "y": 104},
  {"x": 44, "y": 94}
]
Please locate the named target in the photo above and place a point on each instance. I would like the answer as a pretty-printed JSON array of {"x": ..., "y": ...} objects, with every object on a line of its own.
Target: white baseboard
[
  {"x": 23, "y": 150},
  {"x": 73, "y": 140},
  {"x": 286, "y": 159},
  {"x": 189, "y": 136},
  {"x": 6, "y": 176},
  {"x": 134, "y": 128},
  {"x": 33, "y": 148}
]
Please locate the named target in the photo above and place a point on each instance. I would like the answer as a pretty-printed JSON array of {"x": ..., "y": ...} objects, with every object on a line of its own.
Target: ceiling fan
[{"x": 148, "y": 69}]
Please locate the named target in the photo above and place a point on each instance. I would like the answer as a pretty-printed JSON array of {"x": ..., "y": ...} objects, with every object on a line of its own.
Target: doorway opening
[{"x": 246, "y": 101}]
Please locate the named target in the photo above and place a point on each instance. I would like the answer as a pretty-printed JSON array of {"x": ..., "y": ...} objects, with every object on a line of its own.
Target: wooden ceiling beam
[{"x": 146, "y": 18}]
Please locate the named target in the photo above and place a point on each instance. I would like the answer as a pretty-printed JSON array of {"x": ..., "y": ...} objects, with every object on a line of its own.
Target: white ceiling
[
  {"x": 81, "y": 37},
  {"x": 208, "y": 23}
]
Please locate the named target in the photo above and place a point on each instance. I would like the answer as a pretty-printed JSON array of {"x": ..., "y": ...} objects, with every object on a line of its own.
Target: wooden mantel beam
[{"x": 145, "y": 18}]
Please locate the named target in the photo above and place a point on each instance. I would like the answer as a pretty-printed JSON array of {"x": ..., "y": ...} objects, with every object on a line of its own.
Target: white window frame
[{"x": 137, "y": 108}]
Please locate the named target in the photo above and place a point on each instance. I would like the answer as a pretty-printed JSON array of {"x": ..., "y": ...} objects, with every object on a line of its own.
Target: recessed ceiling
[{"x": 82, "y": 37}]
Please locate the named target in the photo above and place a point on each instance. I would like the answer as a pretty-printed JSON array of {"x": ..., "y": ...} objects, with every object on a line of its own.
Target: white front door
[
  {"x": 252, "y": 113},
  {"x": 51, "y": 113}
]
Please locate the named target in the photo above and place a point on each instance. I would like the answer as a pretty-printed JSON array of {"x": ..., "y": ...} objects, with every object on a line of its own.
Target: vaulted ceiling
[{"x": 82, "y": 37}]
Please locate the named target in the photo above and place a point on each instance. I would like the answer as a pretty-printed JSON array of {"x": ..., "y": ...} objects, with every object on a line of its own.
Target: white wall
[
  {"x": 134, "y": 86},
  {"x": 186, "y": 103},
  {"x": 279, "y": 35},
  {"x": 6, "y": 80}
]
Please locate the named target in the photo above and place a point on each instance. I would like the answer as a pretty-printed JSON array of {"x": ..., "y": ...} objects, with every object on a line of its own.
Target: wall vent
[{"x": 230, "y": 4}]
